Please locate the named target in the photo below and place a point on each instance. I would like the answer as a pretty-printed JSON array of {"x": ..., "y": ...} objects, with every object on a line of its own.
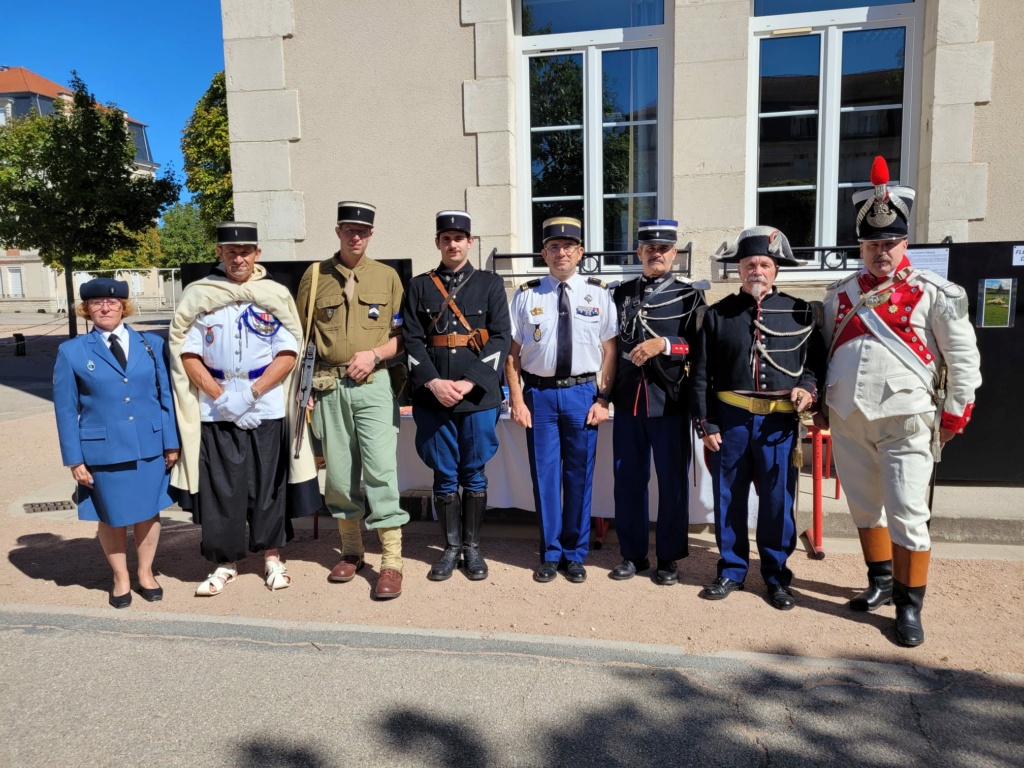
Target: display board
[{"x": 991, "y": 449}]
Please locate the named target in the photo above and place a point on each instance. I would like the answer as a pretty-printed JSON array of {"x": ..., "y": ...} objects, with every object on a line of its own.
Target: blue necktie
[{"x": 563, "y": 336}]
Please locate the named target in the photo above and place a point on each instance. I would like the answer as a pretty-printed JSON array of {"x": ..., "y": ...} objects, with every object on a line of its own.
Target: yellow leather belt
[{"x": 762, "y": 406}]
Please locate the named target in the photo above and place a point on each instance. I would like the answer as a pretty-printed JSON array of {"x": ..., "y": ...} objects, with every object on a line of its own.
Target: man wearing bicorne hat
[
  {"x": 457, "y": 334},
  {"x": 356, "y": 308},
  {"x": 560, "y": 372},
  {"x": 902, "y": 372},
  {"x": 233, "y": 345},
  {"x": 657, "y": 325},
  {"x": 757, "y": 363}
]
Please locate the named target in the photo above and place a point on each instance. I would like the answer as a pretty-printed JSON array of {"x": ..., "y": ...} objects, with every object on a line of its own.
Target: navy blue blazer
[{"x": 107, "y": 415}]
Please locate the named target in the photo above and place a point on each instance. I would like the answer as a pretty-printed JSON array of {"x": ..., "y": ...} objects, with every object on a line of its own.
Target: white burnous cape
[{"x": 207, "y": 295}]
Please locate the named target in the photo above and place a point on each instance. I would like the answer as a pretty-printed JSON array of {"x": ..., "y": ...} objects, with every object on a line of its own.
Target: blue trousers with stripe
[
  {"x": 633, "y": 440},
  {"x": 562, "y": 449},
  {"x": 754, "y": 449}
]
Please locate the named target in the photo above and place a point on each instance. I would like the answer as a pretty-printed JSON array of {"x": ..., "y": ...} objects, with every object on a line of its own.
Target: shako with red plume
[{"x": 883, "y": 213}]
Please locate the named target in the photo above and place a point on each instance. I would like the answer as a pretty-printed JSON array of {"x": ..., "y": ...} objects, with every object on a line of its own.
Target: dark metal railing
[
  {"x": 592, "y": 263},
  {"x": 829, "y": 258}
]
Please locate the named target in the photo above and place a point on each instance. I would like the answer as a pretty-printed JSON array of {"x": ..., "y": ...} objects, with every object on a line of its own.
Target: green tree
[
  {"x": 207, "y": 151},
  {"x": 68, "y": 187},
  {"x": 183, "y": 237},
  {"x": 144, "y": 253}
]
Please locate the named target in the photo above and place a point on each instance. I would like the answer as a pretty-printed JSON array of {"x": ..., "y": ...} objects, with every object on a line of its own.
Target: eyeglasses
[
  {"x": 104, "y": 302},
  {"x": 362, "y": 234}
]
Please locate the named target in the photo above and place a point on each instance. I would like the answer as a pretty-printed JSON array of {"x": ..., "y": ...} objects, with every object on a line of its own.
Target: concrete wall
[
  {"x": 999, "y": 124},
  {"x": 328, "y": 102}
]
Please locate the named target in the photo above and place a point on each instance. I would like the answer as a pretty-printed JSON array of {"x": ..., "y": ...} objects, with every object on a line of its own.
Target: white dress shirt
[{"x": 535, "y": 321}]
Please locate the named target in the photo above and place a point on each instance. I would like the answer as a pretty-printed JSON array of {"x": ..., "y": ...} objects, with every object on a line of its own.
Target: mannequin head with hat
[
  {"x": 354, "y": 230},
  {"x": 105, "y": 302},
  {"x": 563, "y": 246},
  {"x": 758, "y": 253},
  {"x": 453, "y": 238},
  {"x": 238, "y": 249},
  {"x": 883, "y": 222},
  {"x": 657, "y": 245}
]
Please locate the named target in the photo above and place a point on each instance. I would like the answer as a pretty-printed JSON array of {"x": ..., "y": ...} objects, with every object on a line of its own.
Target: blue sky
[{"x": 153, "y": 59}]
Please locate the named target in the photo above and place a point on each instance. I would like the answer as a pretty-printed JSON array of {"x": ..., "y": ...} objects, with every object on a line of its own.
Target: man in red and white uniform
[{"x": 903, "y": 368}]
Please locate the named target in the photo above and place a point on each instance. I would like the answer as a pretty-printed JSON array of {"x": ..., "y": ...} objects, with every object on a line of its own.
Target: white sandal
[
  {"x": 216, "y": 581},
  {"x": 277, "y": 576}
]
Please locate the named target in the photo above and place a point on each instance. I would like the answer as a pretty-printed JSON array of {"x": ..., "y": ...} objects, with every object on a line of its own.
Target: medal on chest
[
  {"x": 209, "y": 336},
  {"x": 91, "y": 365},
  {"x": 536, "y": 332}
]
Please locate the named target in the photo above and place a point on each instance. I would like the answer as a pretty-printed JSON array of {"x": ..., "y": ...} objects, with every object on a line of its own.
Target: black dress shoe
[
  {"x": 575, "y": 572},
  {"x": 627, "y": 569},
  {"x": 546, "y": 571},
  {"x": 720, "y": 588},
  {"x": 781, "y": 597},
  {"x": 151, "y": 595},
  {"x": 120, "y": 601},
  {"x": 667, "y": 573}
]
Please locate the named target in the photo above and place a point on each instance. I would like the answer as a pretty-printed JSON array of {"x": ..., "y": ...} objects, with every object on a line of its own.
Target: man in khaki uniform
[{"x": 357, "y": 325}]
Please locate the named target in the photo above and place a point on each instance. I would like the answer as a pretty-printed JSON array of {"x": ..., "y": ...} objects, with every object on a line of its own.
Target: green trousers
[{"x": 358, "y": 427}]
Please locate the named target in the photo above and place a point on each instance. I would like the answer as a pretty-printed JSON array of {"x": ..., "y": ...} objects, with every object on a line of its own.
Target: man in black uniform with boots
[{"x": 457, "y": 334}]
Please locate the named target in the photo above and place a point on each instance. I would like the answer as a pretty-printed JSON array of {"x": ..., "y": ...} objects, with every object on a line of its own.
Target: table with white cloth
[{"x": 509, "y": 485}]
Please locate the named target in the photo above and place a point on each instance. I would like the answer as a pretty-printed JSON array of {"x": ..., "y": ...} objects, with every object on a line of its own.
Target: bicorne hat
[{"x": 760, "y": 241}]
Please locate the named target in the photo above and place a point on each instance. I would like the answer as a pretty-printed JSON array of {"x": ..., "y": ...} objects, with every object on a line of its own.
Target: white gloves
[
  {"x": 248, "y": 421},
  {"x": 231, "y": 405}
]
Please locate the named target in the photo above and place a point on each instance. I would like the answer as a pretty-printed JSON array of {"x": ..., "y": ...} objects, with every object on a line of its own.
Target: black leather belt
[
  {"x": 553, "y": 382},
  {"x": 252, "y": 375}
]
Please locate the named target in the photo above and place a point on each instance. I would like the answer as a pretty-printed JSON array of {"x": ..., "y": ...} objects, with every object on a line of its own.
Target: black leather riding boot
[
  {"x": 449, "y": 515},
  {"x": 473, "y": 505},
  {"x": 909, "y": 601},
  {"x": 879, "y": 591}
]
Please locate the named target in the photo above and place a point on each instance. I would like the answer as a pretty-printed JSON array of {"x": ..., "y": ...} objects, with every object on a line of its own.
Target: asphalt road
[{"x": 84, "y": 688}]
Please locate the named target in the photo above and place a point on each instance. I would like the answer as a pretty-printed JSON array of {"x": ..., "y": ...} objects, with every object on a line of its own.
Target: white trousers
[{"x": 885, "y": 467}]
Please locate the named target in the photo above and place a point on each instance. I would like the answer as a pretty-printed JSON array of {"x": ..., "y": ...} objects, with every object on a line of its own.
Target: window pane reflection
[
  {"x": 630, "y": 159},
  {"x": 873, "y": 64},
  {"x": 846, "y": 215},
  {"x": 789, "y": 151},
  {"x": 556, "y": 90},
  {"x": 621, "y": 218},
  {"x": 862, "y": 136},
  {"x": 547, "y": 17},
  {"x": 547, "y": 210},
  {"x": 556, "y": 163},
  {"x": 776, "y": 7},
  {"x": 792, "y": 212},
  {"x": 789, "y": 73},
  {"x": 630, "y": 85}
]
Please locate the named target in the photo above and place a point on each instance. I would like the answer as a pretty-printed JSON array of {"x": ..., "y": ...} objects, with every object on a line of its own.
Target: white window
[
  {"x": 17, "y": 290},
  {"x": 594, "y": 121},
  {"x": 830, "y": 90}
]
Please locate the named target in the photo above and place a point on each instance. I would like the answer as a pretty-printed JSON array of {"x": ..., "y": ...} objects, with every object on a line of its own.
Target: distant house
[{"x": 26, "y": 284}]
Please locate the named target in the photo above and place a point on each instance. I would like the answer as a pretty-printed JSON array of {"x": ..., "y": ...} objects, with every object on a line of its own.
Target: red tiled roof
[{"x": 21, "y": 80}]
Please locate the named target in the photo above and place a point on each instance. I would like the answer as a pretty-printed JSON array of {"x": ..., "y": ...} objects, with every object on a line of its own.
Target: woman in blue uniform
[{"x": 115, "y": 421}]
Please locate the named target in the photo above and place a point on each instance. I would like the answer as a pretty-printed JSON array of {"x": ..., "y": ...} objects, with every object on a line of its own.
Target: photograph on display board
[{"x": 997, "y": 302}]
